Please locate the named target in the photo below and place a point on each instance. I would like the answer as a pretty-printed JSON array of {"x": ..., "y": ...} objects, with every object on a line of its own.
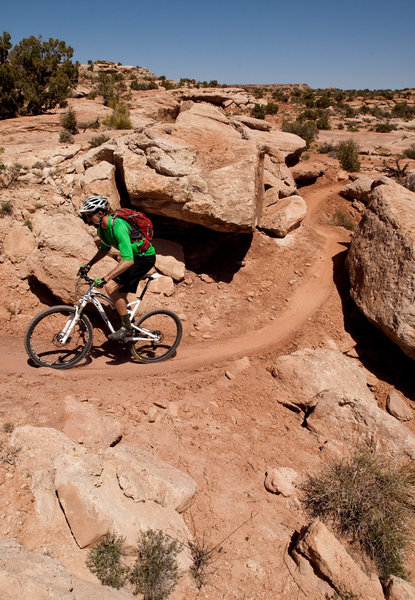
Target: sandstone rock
[
  {"x": 162, "y": 285},
  {"x": 85, "y": 425},
  {"x": 284, "y": 216},
  {"x": 28, "y": 574},
  {"x": 169, "y": 259},
  {"x": 252, "y": 123},
  {"x": 359, "y": 189},
  {"x": 410, "y": 181},
  {"x": 39, "y": 446},
  {"x": 63, "y": 244},
  {"x": 381, "y": 262},
  {"x": 306, "y": 373},
  {"x": 93, "y": 502},
  {"x": 281, "y": 480},
  {"x": 100, "y": 179},
  {"x": 307, "y": 172},
  {"x": 351, "y": 420},
  {"x": 399, "y": 589},
  {"x": 397, "y": 407},
  {"x": 330, "y": 558},
  {"x": 144, "y": 477},
  {"x": 19, "y": 242}
]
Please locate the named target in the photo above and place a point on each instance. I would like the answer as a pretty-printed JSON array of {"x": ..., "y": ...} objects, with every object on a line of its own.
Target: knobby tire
[
  {"x": 41, "y": 341},
  {"x": 171, "y": 328}
]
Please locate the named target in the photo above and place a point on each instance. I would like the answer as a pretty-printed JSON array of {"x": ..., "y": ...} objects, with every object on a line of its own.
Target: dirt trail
[{"x": 315, "y": 289}]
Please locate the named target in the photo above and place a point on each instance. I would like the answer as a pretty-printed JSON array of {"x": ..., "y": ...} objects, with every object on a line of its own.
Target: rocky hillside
[{"x": 294, "y": 282}]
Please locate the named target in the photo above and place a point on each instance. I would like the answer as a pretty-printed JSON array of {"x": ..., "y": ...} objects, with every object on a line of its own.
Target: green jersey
[{"x": 118, "y": 236}]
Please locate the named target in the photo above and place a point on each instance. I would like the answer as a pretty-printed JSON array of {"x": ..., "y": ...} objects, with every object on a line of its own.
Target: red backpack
[{"x": 141, "y": 226}]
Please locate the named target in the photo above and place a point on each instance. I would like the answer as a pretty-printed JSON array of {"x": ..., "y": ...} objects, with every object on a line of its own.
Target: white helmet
[{"x": 94, "y": 204}]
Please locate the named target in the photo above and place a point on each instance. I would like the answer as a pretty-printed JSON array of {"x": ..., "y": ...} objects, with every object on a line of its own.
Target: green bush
[
  {"x": 6, "y": 208},
  {"x": 323, "y": 122},
  {"x": 258, "y": 93},
  {"x": 271, "y": 108},
  {"x": 98, "y": 140},
  {"x": 68, "y": 121},
  {"x": 104, "y": 561},
  {"x": 370, "y": 500},
  {"x": 403, "y": 110},
  {"x": 384, "y": 128},
  {"x": 410, "y": 152},
  {"x": 340, "y": 218},
  {"x": 326, "y": 148},
  {"x": 120, "y": 118},
  {"x": 348, "y": 155},
  {"x": 155, "y": 572},
  {"x": 305, "y": 129},
  {"x": 258, "y": 111},
  {"x": 66, "y": 137}
]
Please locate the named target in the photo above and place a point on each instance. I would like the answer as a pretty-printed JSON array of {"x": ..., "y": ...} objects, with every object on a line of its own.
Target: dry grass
[{"x": 370, "y": 500}]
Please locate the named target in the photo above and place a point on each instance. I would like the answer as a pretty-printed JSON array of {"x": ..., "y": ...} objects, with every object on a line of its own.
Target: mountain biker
[{"x": 133, "y": 265}]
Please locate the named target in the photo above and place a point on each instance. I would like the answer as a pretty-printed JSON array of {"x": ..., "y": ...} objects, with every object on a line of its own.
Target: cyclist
[{"x": 132, "y": 267}]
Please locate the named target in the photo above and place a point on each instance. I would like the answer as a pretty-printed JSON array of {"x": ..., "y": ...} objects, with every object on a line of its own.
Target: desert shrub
[
  {"x": 120, "y": 118},
  {"x": 93, "y": 124},
  {"x": 340, "y": 218},
  {"x": 279, "y": 95},
  {"x": 370, "y": 500},
  {"x": 258, "y": 93},
  {"x": 258, "y": 111},
  {"x": 323, "y": 122},
  {"x": 403, "y": 110},
  {"x": 410, "y": 152},
  {"x": 2, "y": 165},
  {"x": 348, "y": 155},
  {"x": 271, "y": 108},
  {"x": 396, "y": 170},
  {"x": 340, "y": 126},
  {"x": 324, "y": 102},
  {"x": 308, "y": 115},
  {"x": 6, "y": 208},
  {"x": 137, "y": 85},
  {"x": 8, "y": 427},
  {"x": 98, "y": 140},
  {"x": 68, "y": 121},
  {"x": 326, "y": 148},
  {"x": 384, "y": 127},
  {"x": 29, "y": 224},
  {"x": 155, "y": 572},
  {"x": 104, "y": 561},
  {"x": 305, "y": 129},
  {"x": 66, "y": 137}
]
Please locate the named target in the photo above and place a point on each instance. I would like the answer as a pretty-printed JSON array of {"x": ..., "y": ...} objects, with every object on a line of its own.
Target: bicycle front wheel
[
  {"x": 162, "y": 330},
  {"x": 43, "y": 338}
]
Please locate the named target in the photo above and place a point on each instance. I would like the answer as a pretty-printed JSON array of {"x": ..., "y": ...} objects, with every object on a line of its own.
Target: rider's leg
[{"x": 120, "y": 302}]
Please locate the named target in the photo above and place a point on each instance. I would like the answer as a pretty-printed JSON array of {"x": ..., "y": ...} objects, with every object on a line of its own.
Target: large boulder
[
  {"x": 307, "y": 373},
  {"x": 283, "y": 216},
  {"x": 359, "y": 189},
  {"x": 381, "y": 263},
  {"x": 345, "y": 421},
  {"x": 63, "y": 244},
  {"x": 205, "y": 168}
]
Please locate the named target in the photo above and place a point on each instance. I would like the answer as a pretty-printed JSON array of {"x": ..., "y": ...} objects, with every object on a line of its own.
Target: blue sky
[{"x": 349, "y": 44}]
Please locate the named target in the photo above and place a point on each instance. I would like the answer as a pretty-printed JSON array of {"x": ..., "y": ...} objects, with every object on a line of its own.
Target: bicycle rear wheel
[
  {"x": 42, "y": 341},
  {"x": 165, "y": 327}
]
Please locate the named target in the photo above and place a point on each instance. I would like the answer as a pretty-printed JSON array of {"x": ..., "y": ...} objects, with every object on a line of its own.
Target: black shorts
[{"x": 130, "y": 278}]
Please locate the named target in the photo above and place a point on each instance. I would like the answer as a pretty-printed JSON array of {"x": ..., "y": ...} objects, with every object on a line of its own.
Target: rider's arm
[{"x": 101, "y": 252}]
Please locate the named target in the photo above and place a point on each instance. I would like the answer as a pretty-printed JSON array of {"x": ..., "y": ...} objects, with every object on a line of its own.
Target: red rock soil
[{"x": 287, "y": 295}]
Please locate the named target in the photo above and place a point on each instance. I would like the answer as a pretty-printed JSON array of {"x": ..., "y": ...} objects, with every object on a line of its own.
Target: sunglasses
[{"x": 86, "y": 217}]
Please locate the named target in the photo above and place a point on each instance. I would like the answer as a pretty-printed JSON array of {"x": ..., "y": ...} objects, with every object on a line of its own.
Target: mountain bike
[{"x": 61, "y": 336}]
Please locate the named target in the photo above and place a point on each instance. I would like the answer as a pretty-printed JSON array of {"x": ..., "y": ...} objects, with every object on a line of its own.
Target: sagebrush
[
  {"x": 105, "y": 561},
  {"x": 370, "y": 500}
]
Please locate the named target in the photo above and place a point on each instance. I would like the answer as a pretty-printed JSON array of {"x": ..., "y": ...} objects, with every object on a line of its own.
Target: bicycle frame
[{"x": 96, "y": 298}]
